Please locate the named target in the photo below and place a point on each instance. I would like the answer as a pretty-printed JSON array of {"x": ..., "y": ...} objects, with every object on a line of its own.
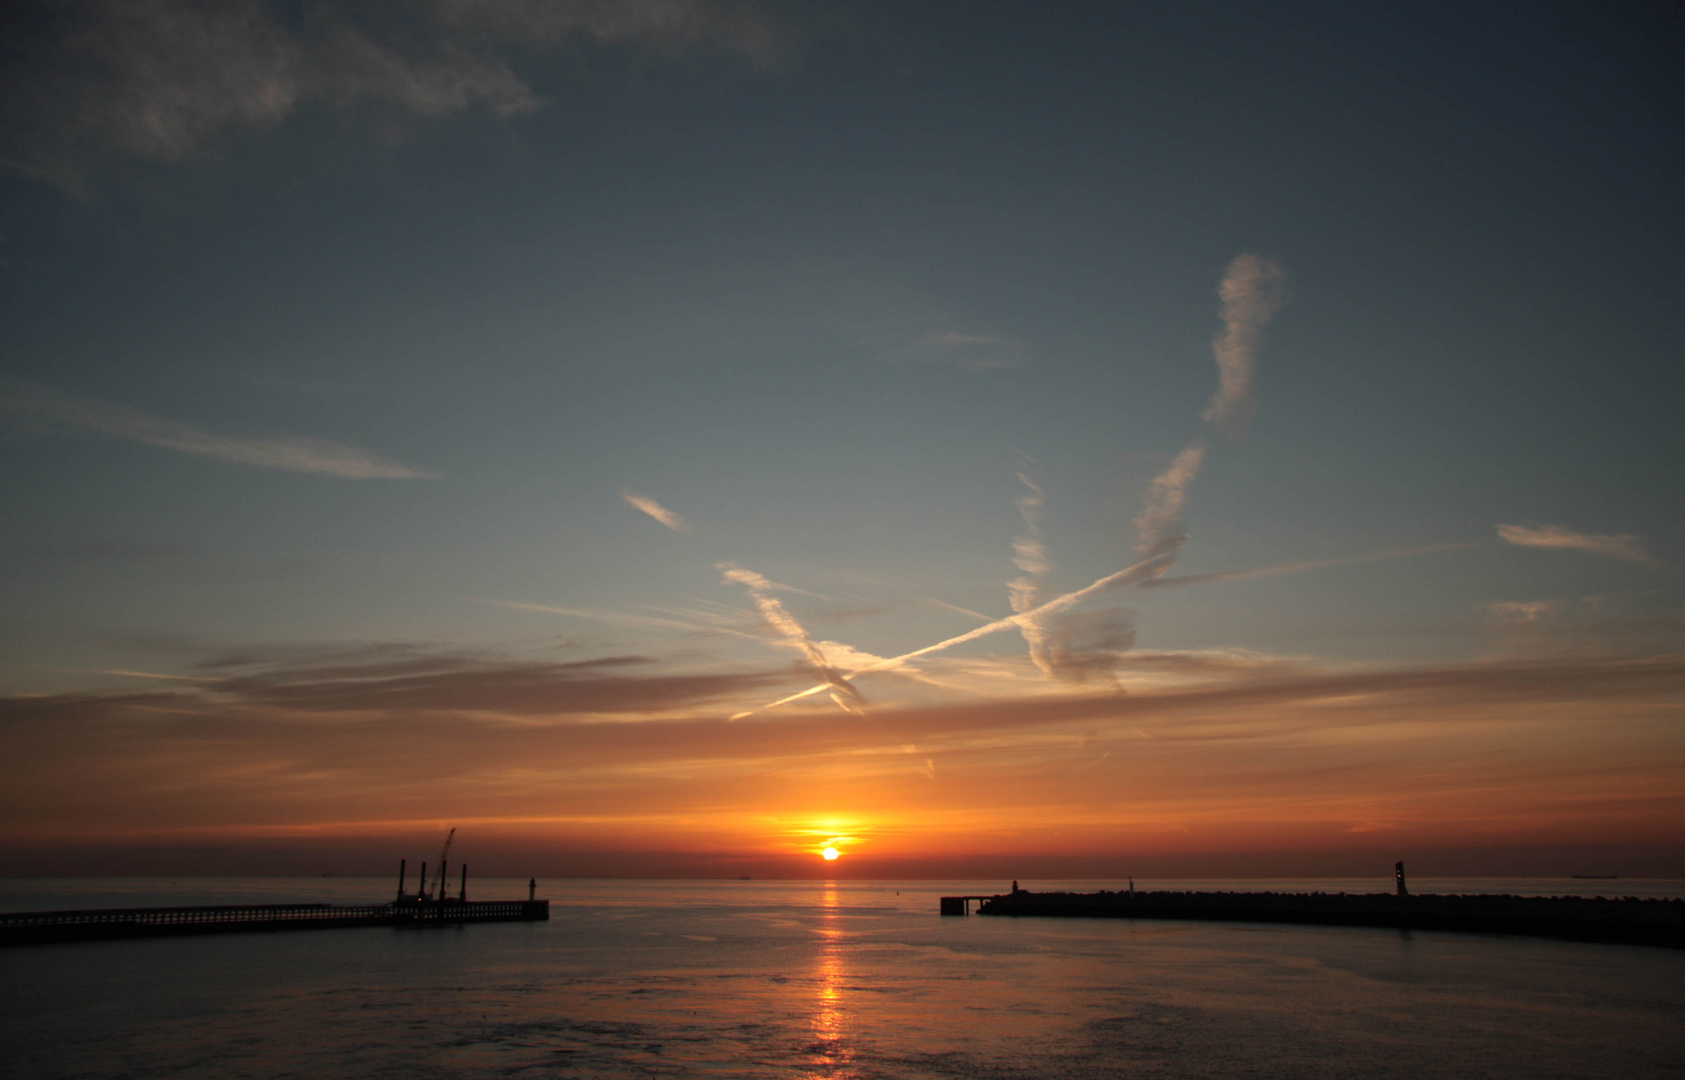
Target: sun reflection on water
[{"x": 829, "y": 1023}]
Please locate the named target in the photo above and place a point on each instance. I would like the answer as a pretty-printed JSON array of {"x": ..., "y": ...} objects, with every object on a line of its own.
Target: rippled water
[{"x": 785, "y": 979}]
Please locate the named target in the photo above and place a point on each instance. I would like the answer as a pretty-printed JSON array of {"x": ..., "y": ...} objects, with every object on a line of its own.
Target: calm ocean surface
[{"x": 806, "y": 979}]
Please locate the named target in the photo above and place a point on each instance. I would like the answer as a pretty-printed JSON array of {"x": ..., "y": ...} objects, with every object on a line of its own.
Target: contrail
[
  {"x": 779, "y": 618},
  {"x": 1252, "y": 292},
  {"x": 1127, "y": 576},
  {"x": 978, "y": 615}
]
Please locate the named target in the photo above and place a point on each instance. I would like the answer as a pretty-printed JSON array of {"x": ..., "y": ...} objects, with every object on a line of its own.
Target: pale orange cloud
[{"x": 655, "y": 510}]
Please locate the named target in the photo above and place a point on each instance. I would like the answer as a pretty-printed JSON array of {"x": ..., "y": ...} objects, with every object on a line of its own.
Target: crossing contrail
[
  {"x": 772, "y": 609},
  {"x": 1146, "y": 568}
]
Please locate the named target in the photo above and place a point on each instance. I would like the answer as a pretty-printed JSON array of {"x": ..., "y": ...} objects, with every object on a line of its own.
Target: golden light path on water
[{"x": 829, "y": 1025}]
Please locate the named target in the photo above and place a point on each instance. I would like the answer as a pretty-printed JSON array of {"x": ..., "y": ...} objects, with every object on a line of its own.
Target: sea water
[{"x": 814, "y": 979}]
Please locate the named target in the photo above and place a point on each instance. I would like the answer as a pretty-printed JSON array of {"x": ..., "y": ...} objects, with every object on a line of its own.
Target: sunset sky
[{"x": 485, "y": 413}]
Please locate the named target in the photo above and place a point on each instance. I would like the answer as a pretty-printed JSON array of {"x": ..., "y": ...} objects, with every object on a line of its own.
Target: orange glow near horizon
[{"x": 1322, "y": 762}]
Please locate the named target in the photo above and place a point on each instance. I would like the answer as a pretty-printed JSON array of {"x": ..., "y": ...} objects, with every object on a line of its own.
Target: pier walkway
[{"x": 41, "y": 927}]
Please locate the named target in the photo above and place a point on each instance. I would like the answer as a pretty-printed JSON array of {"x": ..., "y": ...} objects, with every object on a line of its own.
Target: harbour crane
[{"x": 443, "y": 854}]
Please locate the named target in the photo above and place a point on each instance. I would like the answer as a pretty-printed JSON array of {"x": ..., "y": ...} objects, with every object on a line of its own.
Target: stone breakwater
[{"x": 1628, "y": 920}]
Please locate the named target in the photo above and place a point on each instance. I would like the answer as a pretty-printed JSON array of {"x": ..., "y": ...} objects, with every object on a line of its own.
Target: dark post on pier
[{"x": 1398, "y": 878}]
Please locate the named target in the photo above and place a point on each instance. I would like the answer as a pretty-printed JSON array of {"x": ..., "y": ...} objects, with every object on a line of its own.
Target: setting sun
[{"x": 830, "y": 854}]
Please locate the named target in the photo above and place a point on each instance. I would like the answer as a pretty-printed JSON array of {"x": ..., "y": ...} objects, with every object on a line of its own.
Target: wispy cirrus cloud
[
  {"x": 1564, "y": 625},
  {"x": 1216, "y": 663},
  {"x": 971, "y": 352},
  {"x": 1252, "y": 291},
  {"x": 605, "y": 685},
  {"x": 128, "y": 674},
  {"x": 163, "y": 79},
  {"x": 938, "y": 341},
  {"x": 1619, "y": 546},
  {"x": 1299, "y": 567},
  {"x": 655, "y": 510},
  {"x": 1528, "y": 612},
  {"x": 321, "y": 457}
]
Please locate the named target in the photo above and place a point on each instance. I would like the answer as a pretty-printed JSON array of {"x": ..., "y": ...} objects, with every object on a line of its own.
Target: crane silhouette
[{"x": 444, "y": 853}]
